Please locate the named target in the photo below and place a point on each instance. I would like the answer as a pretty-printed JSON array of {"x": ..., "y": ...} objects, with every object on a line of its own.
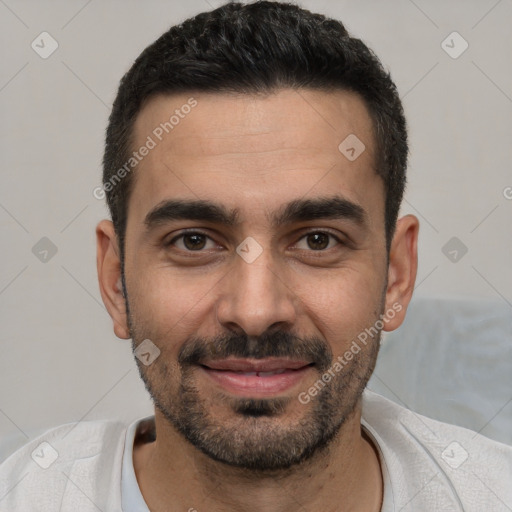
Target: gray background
[{"x": 60, "y": 360}]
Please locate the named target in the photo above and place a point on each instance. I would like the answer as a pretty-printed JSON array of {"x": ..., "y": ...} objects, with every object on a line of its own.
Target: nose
[{"x": 256, "y": 297}]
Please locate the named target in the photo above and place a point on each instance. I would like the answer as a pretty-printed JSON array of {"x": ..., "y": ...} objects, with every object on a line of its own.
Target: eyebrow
[{"x": 299, "y": 210}]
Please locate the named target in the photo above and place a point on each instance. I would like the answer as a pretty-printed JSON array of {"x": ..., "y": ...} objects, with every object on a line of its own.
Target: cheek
[
  {"x": 168, "y": 306},
  {"x": 344, "y": 305}
]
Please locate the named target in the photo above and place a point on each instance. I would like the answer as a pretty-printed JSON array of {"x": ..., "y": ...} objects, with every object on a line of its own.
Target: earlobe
[
  {"x": 109, "y": 277},
  {"x": 403, "y": 266}
]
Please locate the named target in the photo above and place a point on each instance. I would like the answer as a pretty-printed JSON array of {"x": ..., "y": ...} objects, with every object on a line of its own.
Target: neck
[{"x": 346, "y": 476}]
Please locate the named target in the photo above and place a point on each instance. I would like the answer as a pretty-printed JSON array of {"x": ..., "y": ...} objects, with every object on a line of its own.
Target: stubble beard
[{"x": 256, "y": 436}]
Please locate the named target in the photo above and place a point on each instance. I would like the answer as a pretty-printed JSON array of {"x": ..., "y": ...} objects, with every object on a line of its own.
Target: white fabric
[
  {"x": 131, "y": 497},
  {"x": 428, "y": 466}
]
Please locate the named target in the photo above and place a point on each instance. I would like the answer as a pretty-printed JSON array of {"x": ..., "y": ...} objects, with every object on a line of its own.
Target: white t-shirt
[
  {"x": 131, "y": 497},
  {"x": 428, "y": 466}
]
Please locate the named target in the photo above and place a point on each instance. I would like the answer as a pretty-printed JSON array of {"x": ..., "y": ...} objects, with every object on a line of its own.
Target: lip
[
  {"x": 256, "y": 365},
  {"x": 256, "y": 377}
]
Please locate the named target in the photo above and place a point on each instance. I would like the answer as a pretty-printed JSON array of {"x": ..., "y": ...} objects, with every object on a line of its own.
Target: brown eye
[
  {"x": 318, "y": 241},
  {"x": 194, "y": 242}
]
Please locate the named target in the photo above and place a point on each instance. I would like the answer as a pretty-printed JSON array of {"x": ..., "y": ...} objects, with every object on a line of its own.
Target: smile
[{"x": 256, "y": 378}]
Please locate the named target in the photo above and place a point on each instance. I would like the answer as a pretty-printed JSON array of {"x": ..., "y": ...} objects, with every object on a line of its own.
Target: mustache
[{"x": 278, "y": 344}]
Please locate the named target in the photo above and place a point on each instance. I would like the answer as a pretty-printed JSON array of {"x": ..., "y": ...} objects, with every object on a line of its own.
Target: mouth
[{"x": 256, "y": 378}]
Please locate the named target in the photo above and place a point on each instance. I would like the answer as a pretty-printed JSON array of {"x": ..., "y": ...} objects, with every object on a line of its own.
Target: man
[{"x": 254, "y": 168}]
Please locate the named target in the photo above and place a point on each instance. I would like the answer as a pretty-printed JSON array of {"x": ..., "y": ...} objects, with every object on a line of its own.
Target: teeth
[{"x": 262, "y": 374}]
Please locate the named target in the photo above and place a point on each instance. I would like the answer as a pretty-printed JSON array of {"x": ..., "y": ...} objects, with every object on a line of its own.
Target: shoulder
[
  {"x": 441, "y": 459},
  {"x": 41, "y": 472}
]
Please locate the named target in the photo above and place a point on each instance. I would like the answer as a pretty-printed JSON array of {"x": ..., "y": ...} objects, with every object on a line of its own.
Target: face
[{"x": 255, "y": 255}]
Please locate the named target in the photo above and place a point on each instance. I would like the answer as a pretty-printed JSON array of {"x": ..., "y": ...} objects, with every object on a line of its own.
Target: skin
[{"x": 257, "y": 153}]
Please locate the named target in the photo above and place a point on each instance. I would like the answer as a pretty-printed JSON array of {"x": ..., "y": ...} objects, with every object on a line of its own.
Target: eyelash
[{"x": 198, "y": 232}]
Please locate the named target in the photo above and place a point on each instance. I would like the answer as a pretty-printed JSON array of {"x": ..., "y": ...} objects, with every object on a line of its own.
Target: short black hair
[{"x": 254, "y": 48}]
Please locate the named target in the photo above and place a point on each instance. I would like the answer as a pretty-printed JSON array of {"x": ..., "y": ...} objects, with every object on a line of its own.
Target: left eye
[{"x": 319, "y": 241}]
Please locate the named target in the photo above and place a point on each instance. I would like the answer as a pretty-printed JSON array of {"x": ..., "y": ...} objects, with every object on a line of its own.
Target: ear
[
  {"x": 108, "y": 263},
  {"x": 403, "y": 266}
]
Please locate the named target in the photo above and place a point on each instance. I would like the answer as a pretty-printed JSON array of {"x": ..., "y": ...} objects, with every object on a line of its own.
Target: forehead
[{"x": 250, "y": 150}]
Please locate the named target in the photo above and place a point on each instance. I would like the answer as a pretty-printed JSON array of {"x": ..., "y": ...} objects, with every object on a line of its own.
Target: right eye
[{"x": 191, "y": 241}]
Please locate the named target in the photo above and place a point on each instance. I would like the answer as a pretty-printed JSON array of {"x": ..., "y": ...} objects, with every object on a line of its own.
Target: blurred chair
[{"x": 451, "y": 360}]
